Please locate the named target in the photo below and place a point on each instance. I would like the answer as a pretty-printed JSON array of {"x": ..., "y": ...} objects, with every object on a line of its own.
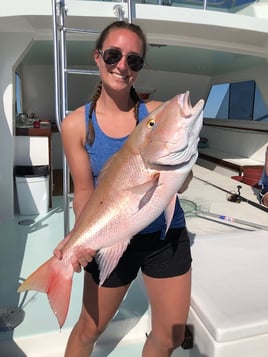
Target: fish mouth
[
  {"x": 161, "y": 166},
  {"x": 170, "y": 156}
]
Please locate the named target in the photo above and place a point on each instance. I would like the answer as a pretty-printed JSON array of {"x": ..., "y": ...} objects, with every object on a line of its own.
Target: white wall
[
  {"x": 12, "y": 45},
  {"x": 38, "y": 88},
  {"x": 31, "y": 150},
  {"x": 168, "y": 84},
  {"x": 38, "y": 92}
]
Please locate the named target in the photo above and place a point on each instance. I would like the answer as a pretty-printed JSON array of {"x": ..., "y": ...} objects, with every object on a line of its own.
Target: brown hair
[
  {"x": 99, "y": 43},
  {"x": 119, "y": 25}
]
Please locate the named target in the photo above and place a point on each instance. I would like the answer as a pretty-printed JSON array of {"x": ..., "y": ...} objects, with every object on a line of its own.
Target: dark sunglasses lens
[
  {"x": 135, "y": 62},
  {"x": 111, "y": 56}
]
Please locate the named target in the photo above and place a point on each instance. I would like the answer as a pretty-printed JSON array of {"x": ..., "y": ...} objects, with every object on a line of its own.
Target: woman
[{"x": 91, "y": 134}]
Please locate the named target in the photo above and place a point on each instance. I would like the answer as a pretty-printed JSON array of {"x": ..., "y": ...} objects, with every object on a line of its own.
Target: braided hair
[
  {"x": 115, "y": 25},
  {"x": 91, "y": 132}
]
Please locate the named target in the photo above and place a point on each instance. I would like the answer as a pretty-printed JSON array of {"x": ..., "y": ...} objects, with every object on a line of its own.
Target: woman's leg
[
  {"x": 99, "y": 306},
  {"x": 170, "y": 300}
]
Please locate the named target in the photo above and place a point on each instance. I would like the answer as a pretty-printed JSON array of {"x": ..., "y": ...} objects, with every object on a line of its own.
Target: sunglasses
[{"x": 112, "y": 56}]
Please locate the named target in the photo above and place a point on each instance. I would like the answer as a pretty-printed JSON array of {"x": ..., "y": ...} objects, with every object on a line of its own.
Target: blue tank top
[{"x": 104, "y": 147}]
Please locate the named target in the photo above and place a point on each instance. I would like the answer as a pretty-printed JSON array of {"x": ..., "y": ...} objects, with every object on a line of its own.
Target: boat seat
[
  {"x": 229, "y": 302},
  {"x": 251, "y": 176},
  {"x": 229, "y": 160},
  {"x": 232, "y": 148}
]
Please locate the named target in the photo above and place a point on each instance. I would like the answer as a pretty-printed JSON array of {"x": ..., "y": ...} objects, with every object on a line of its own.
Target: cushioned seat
[
  {"x": 251, "y": 176},
  {"x": 229, "y": 305}
]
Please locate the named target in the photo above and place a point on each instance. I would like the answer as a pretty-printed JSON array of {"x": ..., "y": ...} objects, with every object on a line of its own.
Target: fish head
[{"x": 172, "y": 133}]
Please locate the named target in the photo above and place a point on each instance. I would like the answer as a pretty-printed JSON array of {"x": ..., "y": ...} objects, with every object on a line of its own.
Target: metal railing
[
  {"x": 61, "y": 72},
  {"x": 223, "y": 5}
]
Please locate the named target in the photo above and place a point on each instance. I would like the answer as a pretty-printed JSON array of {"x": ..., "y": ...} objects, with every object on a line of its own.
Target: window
[
  {"x": 18, "y": 101},
  {"x": 238, "y": 100}
]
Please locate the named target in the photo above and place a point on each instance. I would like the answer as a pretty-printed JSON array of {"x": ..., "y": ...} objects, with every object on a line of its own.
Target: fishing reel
[{"x": 234, "y": 196}]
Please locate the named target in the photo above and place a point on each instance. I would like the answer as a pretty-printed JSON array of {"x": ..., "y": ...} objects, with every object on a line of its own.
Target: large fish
[{"x": 136, "y": 185}]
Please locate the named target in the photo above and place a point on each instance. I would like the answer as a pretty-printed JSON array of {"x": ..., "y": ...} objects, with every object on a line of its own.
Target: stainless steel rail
[{"x": 60, "y": 77}]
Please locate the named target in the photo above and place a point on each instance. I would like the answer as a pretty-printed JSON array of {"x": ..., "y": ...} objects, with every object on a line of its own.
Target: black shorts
[{"x": 155, "y": 257}]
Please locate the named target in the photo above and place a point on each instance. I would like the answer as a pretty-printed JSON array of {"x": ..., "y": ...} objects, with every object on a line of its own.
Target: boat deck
[{"x": 25, "y": 247}]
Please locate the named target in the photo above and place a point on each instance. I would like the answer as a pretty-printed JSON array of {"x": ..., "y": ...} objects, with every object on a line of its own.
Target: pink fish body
[{"x": 136, "y": 185}]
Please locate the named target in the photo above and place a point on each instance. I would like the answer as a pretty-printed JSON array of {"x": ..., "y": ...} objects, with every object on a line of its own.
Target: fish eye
[{"x": 150, "y": 123}]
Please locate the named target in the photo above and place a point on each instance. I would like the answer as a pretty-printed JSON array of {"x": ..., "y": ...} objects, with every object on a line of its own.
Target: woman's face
[{"x": 119, "y": 76}]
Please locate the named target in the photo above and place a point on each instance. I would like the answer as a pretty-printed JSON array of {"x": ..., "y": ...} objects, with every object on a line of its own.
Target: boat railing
[{"x": 219, "y": 5}]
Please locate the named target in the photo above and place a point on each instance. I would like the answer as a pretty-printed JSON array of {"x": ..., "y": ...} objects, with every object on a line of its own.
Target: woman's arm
[{"x": 73, "y": 141}]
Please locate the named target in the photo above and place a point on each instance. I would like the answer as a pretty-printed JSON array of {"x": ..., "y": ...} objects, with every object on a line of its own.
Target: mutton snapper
[{"x": 136, "y": 185}]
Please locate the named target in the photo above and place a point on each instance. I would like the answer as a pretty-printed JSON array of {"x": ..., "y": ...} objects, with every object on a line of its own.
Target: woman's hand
[
  {"x": 78, "y": 261},
  {"x": 82, "y": 261},
  {"x": 58, "y": 250}
]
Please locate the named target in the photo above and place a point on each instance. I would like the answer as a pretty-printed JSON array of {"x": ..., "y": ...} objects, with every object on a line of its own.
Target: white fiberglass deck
[
  {"x": 229, "y": 302},
  {"x": 25, "y": 248},
  {"x": 228, "y": 309}
]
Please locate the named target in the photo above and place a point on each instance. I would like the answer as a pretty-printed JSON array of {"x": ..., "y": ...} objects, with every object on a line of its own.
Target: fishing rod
[
  {"x": 229, "y": 219},
  {"x": 191, "y": 209},
  {"x": 235, "y": 197}
]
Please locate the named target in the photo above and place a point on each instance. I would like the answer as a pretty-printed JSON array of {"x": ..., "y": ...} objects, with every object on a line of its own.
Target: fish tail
[{"x": 54, "y": 278}]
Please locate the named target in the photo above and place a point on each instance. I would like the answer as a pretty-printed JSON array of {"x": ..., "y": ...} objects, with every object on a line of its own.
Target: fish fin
[
  {"x": 169, "y": 211},
  {"x": 107, "y": 259},
  {"x": 146, "y": 189},
  {"x": 54, "y": 278}
]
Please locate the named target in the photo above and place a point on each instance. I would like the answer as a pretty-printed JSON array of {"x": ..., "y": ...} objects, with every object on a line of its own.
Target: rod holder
[{"x": 119, "y": 12}]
